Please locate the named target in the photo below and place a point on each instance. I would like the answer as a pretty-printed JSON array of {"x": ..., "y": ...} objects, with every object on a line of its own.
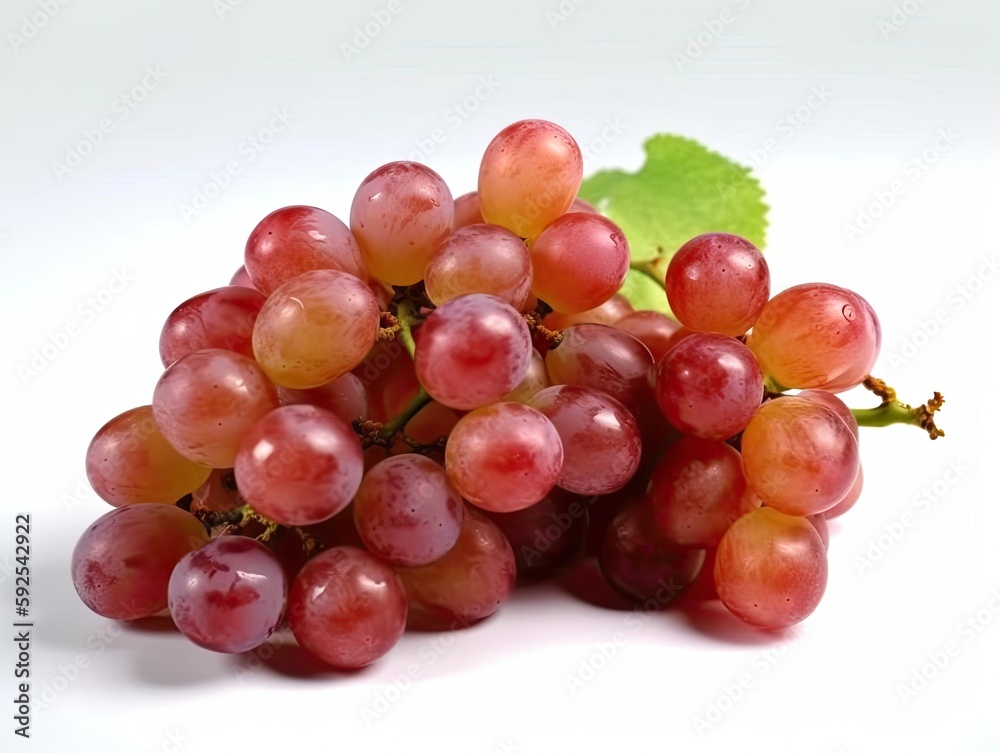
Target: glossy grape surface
[
  {"x": 600, "y": 438},
  {"x": 229, "y": 595},
  {"x": 529, "y": 176},
  {"x": 122, "y": 563},
  {"x": 347, "y": 607},
  {"x": 770, "y": 569},
  {"x": 221, "y": 318},
  {"x": 709, "y": 386},
  {"x": 465, "y": 586},
  {"x": 299, "y": 465},
  {"x": 718, "y": 282},
  {"x": 480, "y": 259},
  {"x": 697, "y": 491},
  {"x": 472, "y": 350},
  {"x": 129, "y": 461},
  {"x": 407, "y": 512},
  {"x": 504, "y": 457},
  {"x": 400, "y": 214},
  {"x": 816, "y": 336},
  {"x": 206, "y": 402},
  {"x": 315, "y": 328},
  {"x": 580, "y": 261},
  {"x": 294, "y": 240},
  {"x": 799, "y": 457}
]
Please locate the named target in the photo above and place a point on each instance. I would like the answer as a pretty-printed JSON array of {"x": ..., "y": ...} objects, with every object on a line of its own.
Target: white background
[{"x": 831, "y": 684}]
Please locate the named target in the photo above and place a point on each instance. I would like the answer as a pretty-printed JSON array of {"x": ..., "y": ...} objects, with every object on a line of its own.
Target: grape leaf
[{"x": 683, "y": 190}]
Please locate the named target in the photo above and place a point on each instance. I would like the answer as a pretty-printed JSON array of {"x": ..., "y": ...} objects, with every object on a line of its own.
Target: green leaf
[
  {"x": 683, "y": 190},
  {"x": 644, "y": 293}
]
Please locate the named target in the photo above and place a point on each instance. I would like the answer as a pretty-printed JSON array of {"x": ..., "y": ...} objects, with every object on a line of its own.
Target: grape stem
[
  {"x": 654, "y": 268},
  {"x": 375, "y": 433},
  {"x": 552, "y": 337},
  {"x": 406, "y": 314},
  {"x": 893, "y": 411}
]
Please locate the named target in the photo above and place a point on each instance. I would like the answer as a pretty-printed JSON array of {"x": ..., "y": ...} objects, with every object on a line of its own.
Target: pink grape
[
  {"x": 345, "y": 397},
  {"x": 709, "y": 386},
  {"x": 822, "y": 528},
  {"x": 642, "y": 566},
  {"x": 718, "y": 282},
  {"x": 580, "y": 261},
  {"x": 472, "y": 350},
  {"x": 221, "y": 318},
  {"x": 546, "y": 536},
  {"x": 294, "y": 240},
  {"x": 242, "y": 279},
  {"x": 529, "y": 176},
  {"x": 799, "y": 456},
  {"x": 504, "y": 457},
  {"x": 836, "y": 404},
  {"x": 347, "y": 607},
  {"x": 697, "y": 491},
  {"x": 122, "y": 563},
  {"x": 401, "y": 213},
  {"x": 480, "y": 259},
  {"x": 407, "y": 512},
  {"x": 535, "y": 379},
  {"x": 610, "y": 312},
  {"x": 467, "y": 584},
  {"x": 299, "y": 465},
  {"x": 579, "y": 205},
  {"x": 207, "y": 401},
  {"x": 816, "y": 336},
  {"x": 652, "y": 329},
  {"x": 218, "y": 494},
  {"x": 315, "y": 328},
  {"x": 129, "y": 461},
  {"x": 604, "y": 359},
  {"x": 468, "y": 211},
  {"x": 600, "y": 438},
  {"x": 850, "y": 499},
  {"x": 770, "y": 568},
  {"x": 229, "y": 595}
]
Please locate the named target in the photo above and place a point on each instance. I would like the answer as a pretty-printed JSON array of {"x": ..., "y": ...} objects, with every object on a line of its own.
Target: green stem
[
  {"x": 396, "y": 425},
  {"x": 652, "y": 268},
  {"x": 895, "y": 412},
  {"x": 406, "y": 314}
]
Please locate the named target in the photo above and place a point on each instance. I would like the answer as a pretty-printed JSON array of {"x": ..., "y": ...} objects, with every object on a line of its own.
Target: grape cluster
[{"x": 386, "y": 425}]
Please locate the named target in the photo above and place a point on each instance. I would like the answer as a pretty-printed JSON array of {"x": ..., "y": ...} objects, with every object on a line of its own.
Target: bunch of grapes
[{"x": 386, "y": 425}]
